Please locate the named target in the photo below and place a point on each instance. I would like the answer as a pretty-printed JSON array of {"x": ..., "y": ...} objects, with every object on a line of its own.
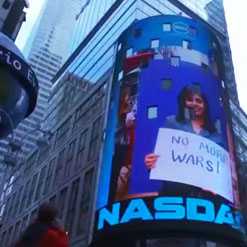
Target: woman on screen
[{"x": 192, "y": 116}]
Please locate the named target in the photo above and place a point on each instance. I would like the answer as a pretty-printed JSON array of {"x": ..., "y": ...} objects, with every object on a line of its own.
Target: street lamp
[{"x": 18, "y": 86}]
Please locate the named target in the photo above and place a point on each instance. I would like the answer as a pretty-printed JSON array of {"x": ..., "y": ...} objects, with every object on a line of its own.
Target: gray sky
[
  {"x": 32, "y": 14},
  {"x": 236, "y": 19}
]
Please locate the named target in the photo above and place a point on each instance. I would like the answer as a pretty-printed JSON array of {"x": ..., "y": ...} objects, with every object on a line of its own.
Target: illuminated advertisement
[{"x": 168, "y": 157}]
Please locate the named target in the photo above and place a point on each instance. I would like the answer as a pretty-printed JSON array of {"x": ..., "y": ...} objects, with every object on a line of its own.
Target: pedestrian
[{"x": 45, "y": 231}]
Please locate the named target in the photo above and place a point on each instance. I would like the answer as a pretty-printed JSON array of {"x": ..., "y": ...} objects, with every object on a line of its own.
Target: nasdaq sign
[{"x": 166, "y": 208}]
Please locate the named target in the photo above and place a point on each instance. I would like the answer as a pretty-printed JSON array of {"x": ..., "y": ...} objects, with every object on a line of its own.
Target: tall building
[
  {"x": 46, "y": 54},
  {"x": 66, "y": 171},
  {"x": 12, "y": 16}
]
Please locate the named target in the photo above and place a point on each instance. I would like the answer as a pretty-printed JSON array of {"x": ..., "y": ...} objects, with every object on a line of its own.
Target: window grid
[
  {"x": 41, "y": 183},
  {"x": 70, "y": 216},
  {"x": 69, "y": 159},
  {"x": 49, "y": 177},
  {"x": 85, "y": 202},
  {"x": 59, "y": 168},
  {"x": 80, "y": 158},
  {"x": 94, "y": 141}
]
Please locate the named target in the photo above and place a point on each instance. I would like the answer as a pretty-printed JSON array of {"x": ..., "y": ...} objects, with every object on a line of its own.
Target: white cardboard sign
[{"x": 192, "y": 159}]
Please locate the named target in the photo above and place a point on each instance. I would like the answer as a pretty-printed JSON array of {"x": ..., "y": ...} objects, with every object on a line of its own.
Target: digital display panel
[
  {"x": 168, "y": 157},
  {"x": 186, "y": 138}
]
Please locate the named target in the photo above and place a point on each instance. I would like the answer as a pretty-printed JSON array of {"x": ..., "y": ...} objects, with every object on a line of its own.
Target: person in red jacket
[{"x": 44, "y": 231}]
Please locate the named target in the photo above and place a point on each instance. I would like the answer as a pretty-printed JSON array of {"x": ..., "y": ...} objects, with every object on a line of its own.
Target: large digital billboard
[{"x": 168, "y": 161}]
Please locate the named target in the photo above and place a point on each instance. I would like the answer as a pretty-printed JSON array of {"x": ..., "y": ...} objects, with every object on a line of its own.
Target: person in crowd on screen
[
  {"x": 192, "y": 116},
  {"x": 125, "y": 170},
  {"x": 45, "y": 231}
]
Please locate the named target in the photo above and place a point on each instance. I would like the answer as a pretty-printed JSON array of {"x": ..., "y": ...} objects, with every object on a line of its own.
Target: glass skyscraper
[
  {"x": 46, "y": 54},
  {"x": 66, "y": 172}
]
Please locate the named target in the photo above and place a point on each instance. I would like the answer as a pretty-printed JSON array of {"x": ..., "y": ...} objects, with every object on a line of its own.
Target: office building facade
[{"x": 66, "y": 171}]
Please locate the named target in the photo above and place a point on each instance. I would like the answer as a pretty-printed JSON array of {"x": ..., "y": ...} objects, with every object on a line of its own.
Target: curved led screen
[{"x": 168, "y": 161}]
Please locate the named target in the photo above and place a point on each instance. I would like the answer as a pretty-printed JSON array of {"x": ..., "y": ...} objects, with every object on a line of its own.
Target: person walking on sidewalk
[{"x": 45, "y": 231}]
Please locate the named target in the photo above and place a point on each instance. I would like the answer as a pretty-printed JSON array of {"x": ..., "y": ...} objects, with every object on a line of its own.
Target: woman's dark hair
[{"x": 191, "y": 90}]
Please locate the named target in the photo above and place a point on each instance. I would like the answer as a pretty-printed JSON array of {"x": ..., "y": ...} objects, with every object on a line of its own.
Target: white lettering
[{"x": 17, "y": 65}]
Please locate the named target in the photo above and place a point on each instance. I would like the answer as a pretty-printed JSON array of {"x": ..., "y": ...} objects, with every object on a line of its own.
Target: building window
[
  {"x": 16, "y": 231},
  {"x": 40, "y": 183},
  {"x": 12, "y": 205},
  {"x": 167, "y": 27},
  {"x": 22, "y": 198},
  {"x": 61, "y": 202},
  {"x": 49, "y": 177},
  {"x": 70, "y": 216},
  {"x": 32, "y": 190},
  {"x": 9, "y": 237},
  {"x": 80, "y": 158},
  {"x": 24, "y": 223},
  {"x": 94, "y": 140},
  {"x": 69, "y": 159},
  {"x": 43, "y": 153},
  {"x": 6, "y": 215},
  {"x": 25, "y": 195},
  {"x": 62, "y": 132},
  {"x": 152, "y": 112},
  {"x": 59, "y": 168},
  {"x": 85, "y": 202},
  {"x": 18, "y": 201},
  {"x": 81, "y": 117},
  {"x": 186, "y": 44},
  {"x": 155, "y": 43},
  {"x": 30, "y": 163}
]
